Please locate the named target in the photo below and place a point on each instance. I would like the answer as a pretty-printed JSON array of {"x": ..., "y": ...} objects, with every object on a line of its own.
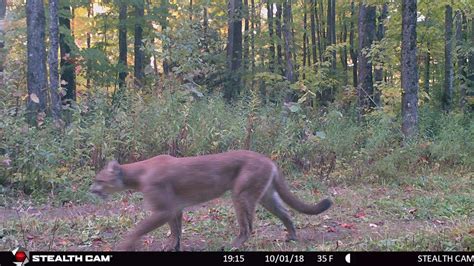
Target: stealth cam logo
[{"x": 22, "y": 256}]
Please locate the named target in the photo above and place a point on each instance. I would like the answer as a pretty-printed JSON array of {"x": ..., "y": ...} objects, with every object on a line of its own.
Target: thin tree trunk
[
  {"x": 234, "y": 49},
  {"x": 36, "y": 59},
  {"x": 68, "y": 74},
  {"x": 122, "y": 62},
  {"x": 378, "y": 72},
  {"x": 53, "y": 61},
  {"x": 205, "y": 26},
  {"x": 191, "y": 10},
  {"x": 293, "y": 43},
  {"x": 426, "y": 82},
  {"x": 278, "y": 16},
  {"x": 164, "y": 26},
  {"x": 344, "y": 51},
  {"x": 305, "y": 40},
  {"x": 324, "y": 37},
  {"x": 252, "y": 33},
  {"x": 353, "y": 49},
  {"x": 90, "y": 14},
  {"x": 289, "y": 71},
  {"x": 461, "y": 28},
  {"x": 365, "y": 88},
  {"x": 3, "y": 10},
  {"x": 258, "y": 29},
  {"x": 409, "y": 70},
  {"x": 138, "y": 44},
  {"x": 246, "y": 34},
  {"x": 448, "y": 59},
  {"x": 319, "y": 34},
  {"x": 270, "y": 34},
  {"x": 305, "y": 37},
  {"x": 470, "y": 73},
  {"x": 313, "y": 32},
  {"x": 331, "y": 31}
]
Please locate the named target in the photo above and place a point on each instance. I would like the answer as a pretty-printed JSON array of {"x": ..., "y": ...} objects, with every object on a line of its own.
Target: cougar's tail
[{"x": 286, "y": 195}]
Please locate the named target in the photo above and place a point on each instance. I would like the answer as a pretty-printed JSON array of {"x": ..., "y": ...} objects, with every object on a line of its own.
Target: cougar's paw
[{"x": 291, "y": 238}]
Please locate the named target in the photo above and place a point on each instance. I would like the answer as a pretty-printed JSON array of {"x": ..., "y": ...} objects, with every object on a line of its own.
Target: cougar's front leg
[
  {"x": 175, "y": 228},
  {"x": 157, "y": 218}
]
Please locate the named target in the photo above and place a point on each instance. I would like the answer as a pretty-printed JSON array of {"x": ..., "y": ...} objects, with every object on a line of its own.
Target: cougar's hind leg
[
  {"x": 273, "y": 203},
  {"x": 175, "y": 225},
  {"x": 246, "y": 194}
]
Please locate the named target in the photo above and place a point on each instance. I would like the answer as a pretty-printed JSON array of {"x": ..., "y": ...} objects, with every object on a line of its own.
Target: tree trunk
[
  {"x": 365, "y": 88},
  {"x": 427, "y": 58},
  {"x": 246, "y": 35},
  {"x": 122, "y": 61},
  {"x": 270, "y": 34},
  {"x": 331, "y": 31},
  {"x": 3, "y": 10},
  {"x": 289, "y": 71},
  {"x": 448, "y": 59},
  {"x": 470, "y": 73},
  {"x": 378, "y": 72},
  {"x": 279, "y": 38},
  {"x": 461, "y": 28},
  {"x": 353, "y": 49},
  {"x": 90, "y": 14},
  {"x": 322, "y": 27},
  {"x": 319, "y": 30},
  {"x": 305, "y": 38},
  {"x": 252, "y": 33},
  {"x": 53, "y": 61},
  {"x": 409, "y": 73},
  {"x": 36, "y": 56},
  {"x": 164, "y": 26},
  {"x": 313, "y": 32},
  {"x": 205, "y": 26},
  {"x": 68, "y": 74},
  {"x": 138, "y": 44},
  {"x": 344, "y": 51},
  {"x": 234, "y": 49}
]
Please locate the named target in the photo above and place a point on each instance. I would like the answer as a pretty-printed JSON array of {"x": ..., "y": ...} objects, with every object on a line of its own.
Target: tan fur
[{"x": 171, "y": 184}]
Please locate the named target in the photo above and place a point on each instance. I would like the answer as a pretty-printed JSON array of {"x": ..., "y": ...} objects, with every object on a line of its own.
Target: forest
[{"x": 369, "y": 102}]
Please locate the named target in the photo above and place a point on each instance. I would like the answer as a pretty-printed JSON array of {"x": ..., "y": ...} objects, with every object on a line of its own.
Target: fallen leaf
[
  {"x": 34, "y": 98},
  {"x": 347, "y": 226},
  {"x": 412, "y": 211},
  {"x": 360, "y": 215},
  {"x": 373, "y": 225},
  {"x": 439, "y": 222}
]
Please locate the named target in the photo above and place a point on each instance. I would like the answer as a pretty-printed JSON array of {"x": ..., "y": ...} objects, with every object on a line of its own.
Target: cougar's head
[{"x": 108, "y": 180}]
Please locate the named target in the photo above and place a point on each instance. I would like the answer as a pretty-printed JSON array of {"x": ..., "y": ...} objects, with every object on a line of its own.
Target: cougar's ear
[{"x": 113, "y": 166}]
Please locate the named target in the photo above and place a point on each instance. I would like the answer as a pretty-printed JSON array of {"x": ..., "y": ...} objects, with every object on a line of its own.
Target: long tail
[{"x": 285, "y": 193}]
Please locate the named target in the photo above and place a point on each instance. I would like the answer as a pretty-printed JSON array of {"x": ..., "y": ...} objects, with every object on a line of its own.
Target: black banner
[{"x": 24, "y": 257}]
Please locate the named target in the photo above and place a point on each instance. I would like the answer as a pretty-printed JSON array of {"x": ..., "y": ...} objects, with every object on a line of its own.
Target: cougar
[{"x": 170, "y": 184}]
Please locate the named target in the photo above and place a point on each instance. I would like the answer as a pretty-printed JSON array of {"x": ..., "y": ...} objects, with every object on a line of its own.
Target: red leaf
[
  {"x": 360, "y": 215},
  {"x": 347, "y": 226}
]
